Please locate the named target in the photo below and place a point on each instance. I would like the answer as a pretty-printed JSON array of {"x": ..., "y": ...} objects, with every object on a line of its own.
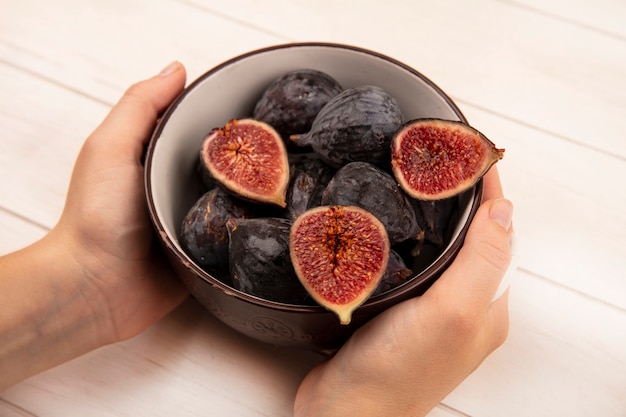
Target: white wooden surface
[{"x": 546, "y": 79}]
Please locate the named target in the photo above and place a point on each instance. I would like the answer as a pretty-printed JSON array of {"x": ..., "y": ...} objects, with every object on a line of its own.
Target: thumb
[
  {"x": 474, "y": 276},
  {"x": 131, "y": 121}
]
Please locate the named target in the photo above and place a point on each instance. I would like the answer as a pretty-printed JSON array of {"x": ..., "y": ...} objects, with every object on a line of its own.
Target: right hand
[{"x": 406, "y": 360}]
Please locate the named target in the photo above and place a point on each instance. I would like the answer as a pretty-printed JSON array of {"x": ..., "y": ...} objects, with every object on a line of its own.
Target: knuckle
[{"x": 464, "y": 323}]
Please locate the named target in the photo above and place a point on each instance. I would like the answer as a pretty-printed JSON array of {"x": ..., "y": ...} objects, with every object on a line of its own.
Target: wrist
[
  {"x": 81, "y": 273},
  {"x": 48, "y": 311},
  {"x": 332, "y": 391}
]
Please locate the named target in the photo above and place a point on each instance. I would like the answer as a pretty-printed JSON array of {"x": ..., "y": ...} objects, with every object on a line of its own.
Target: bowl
[{"x": 229, "y": 91}]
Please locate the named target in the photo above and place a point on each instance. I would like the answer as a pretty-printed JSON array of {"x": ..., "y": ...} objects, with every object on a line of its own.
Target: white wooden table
[{"x": 546, "y": 79}]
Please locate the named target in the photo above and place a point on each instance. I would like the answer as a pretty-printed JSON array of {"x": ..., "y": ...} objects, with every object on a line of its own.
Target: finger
[
  {"x": 131, "y": 121},
  {"x": 474, "y": 276},
  {"x": 492, "y": 186}
]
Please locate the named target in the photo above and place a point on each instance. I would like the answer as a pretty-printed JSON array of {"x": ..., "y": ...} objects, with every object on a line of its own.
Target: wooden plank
[
  {"x": 17, "y": 232},
  {"x": 606, "y": 16},
  {"x": 495, "y": 62},
  {"x": 9, "y": 410},
  {"x": 44, "y": 126},
  {"x": 569, "y": 207},
  {"x": 564, "y": 357},
  {"x": 77, "y": 53}
]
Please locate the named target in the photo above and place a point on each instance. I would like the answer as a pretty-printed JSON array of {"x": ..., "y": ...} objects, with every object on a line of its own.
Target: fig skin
[
  {"x": 340, "y": 254},
  {"x": 291, "y": 102},
  {"x": 356, "y": 125},
  {"x": 433, "y": 159},
  {"x": 396, "y": 273},
  {"x": 435, "y": 218},
  {"x": 259, "y": 259},
  {"x": 205, "y": 179},
  {"x": 203, "y": 235},
  {"x": 248, "y": 158},
  {"x": 309, "y": 178},
  {"x": 369, "y": 187}
]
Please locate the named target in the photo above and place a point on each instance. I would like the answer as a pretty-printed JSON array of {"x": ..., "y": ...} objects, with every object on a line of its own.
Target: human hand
[
  {"x": 406, "y": 360},
  {"x": 97, "y": 277},
  {"x": 105, "y": 223}
]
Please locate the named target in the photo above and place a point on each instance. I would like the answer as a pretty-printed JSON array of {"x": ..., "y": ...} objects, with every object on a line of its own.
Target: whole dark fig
[
  {"x": 259, "y": 260},
  {"x": 356, "y": 125},
  {"x": 291, "y": 102},
  {"x": 203, "y": 234},
  {"x": 308, "y": 179},
  {"x": 396, "y": 273},
  {"x": 435, "y": 218},
  {"x": 367, "y": 186}
]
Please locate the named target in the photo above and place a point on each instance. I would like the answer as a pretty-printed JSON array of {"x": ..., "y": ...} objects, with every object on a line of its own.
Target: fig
[
  {"x": 204, "y": 178},
  {"x": 339, "y": 253},
  {"x": 291, "y": 102},
  {"x": 369, "y": 187},
  {"x": 395, "y": 274},
  {"x": 309, "y": 177},
  {"x": 356, "y": 125},
  {"x": 435, "y": 217},
  {"x": 248, "y": 158},
  {"x": 259, "y": 259},
  {"x": 434, "y": 159},
  {"x": 203, "y": 235}
]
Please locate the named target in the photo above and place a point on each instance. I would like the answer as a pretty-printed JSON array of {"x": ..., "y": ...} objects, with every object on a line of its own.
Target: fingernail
[
  {"x": 501, "y": 212},
  {"x": 169, "y": 69}
]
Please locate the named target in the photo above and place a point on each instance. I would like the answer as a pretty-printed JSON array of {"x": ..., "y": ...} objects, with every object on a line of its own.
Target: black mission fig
[
  {"x": 367, "y": 186},
  {"x": 309, "y": 176},
  {"x": 291, "y": 102},
  {"x": 356, "y": 125},
  {"x": 259, "y": 260},
  {"x": 203, "y": 235}
]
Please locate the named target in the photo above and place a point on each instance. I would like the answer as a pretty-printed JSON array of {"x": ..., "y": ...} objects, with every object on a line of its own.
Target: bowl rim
[{"x": 442, "y": 261}]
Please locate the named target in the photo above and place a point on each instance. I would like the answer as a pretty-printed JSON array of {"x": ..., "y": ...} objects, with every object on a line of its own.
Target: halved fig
[
  {"x": 248, "y": 158},
  {"x": 339, "y": 253},
  {"x": 434, "y": 159}
]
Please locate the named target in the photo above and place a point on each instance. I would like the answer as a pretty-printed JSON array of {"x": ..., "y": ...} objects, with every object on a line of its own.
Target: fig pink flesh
[
  {"x": 249, "y": 158},
  {"x": 339, "y": 253},
  {"x": 437, "y": 159}
]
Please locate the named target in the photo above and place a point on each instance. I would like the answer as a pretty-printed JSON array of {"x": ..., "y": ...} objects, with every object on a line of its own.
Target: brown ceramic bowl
[{"x": 229, "y": 91}]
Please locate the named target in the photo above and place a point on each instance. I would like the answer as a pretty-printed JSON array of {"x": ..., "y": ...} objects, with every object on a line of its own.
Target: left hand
[{"x": 105, "y": 223}]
